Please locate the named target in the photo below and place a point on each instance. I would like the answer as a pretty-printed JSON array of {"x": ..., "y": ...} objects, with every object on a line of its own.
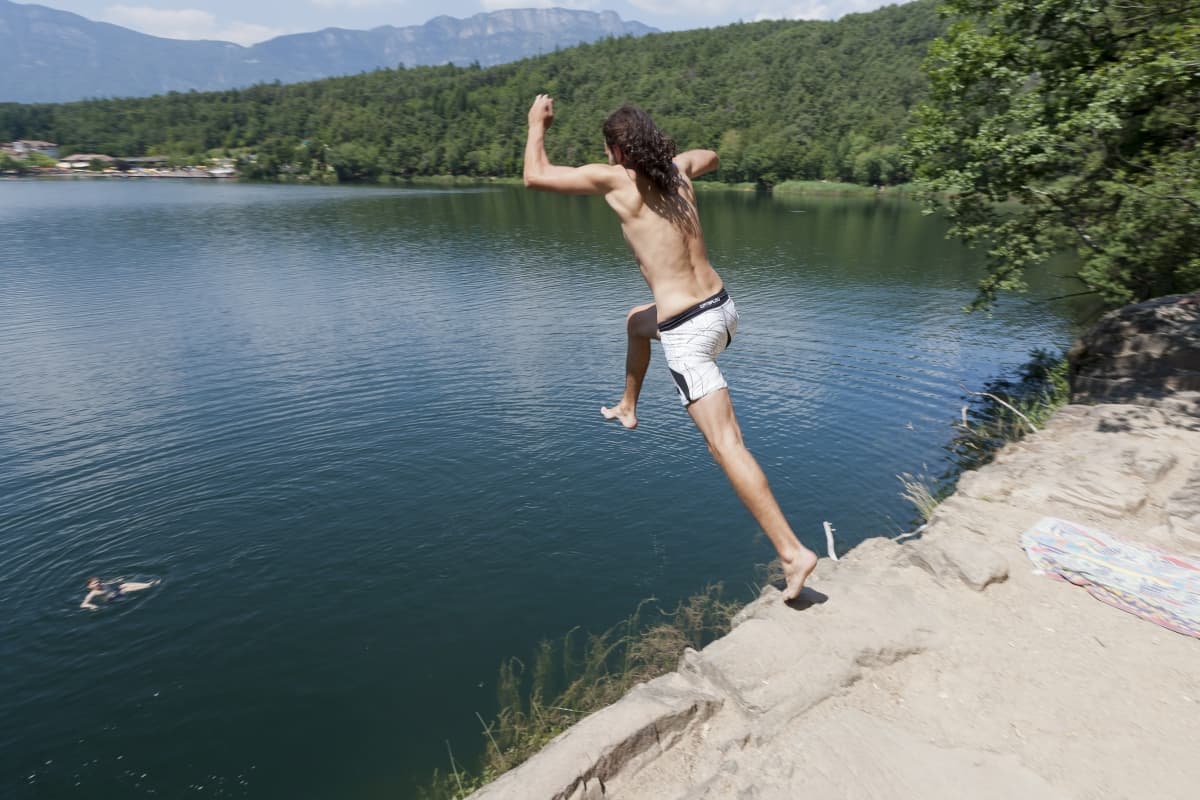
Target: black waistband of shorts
[{"x": 716, "y": 301}]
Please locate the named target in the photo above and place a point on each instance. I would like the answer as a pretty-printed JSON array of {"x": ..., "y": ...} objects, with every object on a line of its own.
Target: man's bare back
[
  {"x": 649, "y": 187},
  {"x": 664, "y": 234},
  {"x": 662, "y": 229}
]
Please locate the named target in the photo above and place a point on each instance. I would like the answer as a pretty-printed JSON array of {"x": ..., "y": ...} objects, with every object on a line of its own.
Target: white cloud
[
  {"x": 182, "y": 23},
  {"x": 762, "y": 9},
  {"x": 187, "y": 23},
  {"x": 577, "y": 5},
  {"x": 354, "y": 3},
  {"x": 676, "y": 8},
  {"x": 247, "y": 33}
]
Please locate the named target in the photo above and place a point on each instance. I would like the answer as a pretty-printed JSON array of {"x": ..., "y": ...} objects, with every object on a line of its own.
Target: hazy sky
[{"x": 249, "y": 21}]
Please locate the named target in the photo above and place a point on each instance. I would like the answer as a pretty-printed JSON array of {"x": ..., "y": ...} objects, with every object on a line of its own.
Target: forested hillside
[{"x": 778, "y": 100}]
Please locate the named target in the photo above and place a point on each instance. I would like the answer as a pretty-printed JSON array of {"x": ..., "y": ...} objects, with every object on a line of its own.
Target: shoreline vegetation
[
  {"x": 576, "y": 675},
  {"x": 905, "y": 191},
  {"x": 582, "y": 672},
  {"x": 1007, "y": 409}
]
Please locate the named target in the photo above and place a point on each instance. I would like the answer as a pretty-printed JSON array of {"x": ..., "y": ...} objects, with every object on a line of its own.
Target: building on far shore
[
  {"x": 23, "y": 147},
  {"x": 143, "y": 162},
  {"x": 84, "y": 160},
  {"x": 98, "y": 164}
]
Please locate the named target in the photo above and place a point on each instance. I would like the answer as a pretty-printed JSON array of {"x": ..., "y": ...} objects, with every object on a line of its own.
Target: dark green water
[{"x": 356, "y": 433}]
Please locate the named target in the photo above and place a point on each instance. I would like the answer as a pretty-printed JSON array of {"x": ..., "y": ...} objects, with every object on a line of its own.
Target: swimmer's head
[{"x": 93, "y": 583}]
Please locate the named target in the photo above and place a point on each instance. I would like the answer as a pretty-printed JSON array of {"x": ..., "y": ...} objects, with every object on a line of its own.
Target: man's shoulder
[
  {"x": 609, "y": 179},
  {"x": 600, "y": 168},
  {"x": 616, "y": 174}
]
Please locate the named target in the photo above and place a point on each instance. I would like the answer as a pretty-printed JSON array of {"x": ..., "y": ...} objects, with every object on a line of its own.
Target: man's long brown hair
[{"x": 644, "y": 147}]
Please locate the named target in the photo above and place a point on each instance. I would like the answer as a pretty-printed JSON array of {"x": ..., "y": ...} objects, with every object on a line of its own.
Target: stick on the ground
[
  {"x": 829, "y": 541},
  {"x": 908, "y": 535},
  {"x": 1032, "y": 427},
  {"x": 454, "y": 768},
  {"x": 487, "y": 730}
]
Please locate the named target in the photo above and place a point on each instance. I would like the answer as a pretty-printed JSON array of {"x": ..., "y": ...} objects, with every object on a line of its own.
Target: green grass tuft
[
  {"x": 922, "y": 491},
  {"x": 579, "y": 674},
  {"x": 1005, "y": 411},
  {"x": 1038, "y": 389}
]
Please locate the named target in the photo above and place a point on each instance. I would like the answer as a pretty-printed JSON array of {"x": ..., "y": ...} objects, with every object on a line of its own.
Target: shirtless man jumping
[{"x": 649, "y": 187}]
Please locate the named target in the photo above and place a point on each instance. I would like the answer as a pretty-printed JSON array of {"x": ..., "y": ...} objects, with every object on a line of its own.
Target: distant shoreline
[
  {"x": 784, "y": 189},
  {"x": 175, "y": 174}
]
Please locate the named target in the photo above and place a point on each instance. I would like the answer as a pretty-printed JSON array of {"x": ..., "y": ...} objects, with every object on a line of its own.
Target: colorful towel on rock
[{"x": 1137, "y": 578}]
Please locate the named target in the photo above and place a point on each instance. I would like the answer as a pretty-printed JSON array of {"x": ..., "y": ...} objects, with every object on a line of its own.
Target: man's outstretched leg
[
  {"x": 641, "y": 325},
  {"x": 713, "y": 415}
]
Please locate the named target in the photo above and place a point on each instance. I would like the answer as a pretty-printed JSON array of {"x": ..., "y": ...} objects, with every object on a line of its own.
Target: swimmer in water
[{"x": 99, "y": 590}]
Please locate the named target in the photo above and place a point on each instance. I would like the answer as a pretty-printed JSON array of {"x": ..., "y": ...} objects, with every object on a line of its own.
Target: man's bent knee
[{"x": 642, "y": 321}]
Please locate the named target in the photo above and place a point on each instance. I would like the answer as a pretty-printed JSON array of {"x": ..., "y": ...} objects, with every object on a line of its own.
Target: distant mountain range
[{"x": 50, "y": 56}]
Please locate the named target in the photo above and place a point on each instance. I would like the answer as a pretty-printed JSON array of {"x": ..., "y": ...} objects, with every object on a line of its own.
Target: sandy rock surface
[{"x": 939, "y": 667}]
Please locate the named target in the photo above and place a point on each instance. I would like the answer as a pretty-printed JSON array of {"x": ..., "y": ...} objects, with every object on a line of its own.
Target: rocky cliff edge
[{"x": 942, "y": 666}]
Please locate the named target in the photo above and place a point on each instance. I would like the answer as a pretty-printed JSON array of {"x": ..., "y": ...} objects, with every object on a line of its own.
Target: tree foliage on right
[{"x": 1085, "y": 113}]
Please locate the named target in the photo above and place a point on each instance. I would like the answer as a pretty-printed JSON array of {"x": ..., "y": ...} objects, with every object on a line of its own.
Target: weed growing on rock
[
  {"x": 579, "y": 674},
  {"x": 1008, "y": 408},
  {"x": 922, "y": 491}
]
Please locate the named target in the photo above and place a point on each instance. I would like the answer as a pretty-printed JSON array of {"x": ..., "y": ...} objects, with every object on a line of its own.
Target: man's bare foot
[
  {"x": 620, "y": 412},
  {"x": 796, "y": 571}
]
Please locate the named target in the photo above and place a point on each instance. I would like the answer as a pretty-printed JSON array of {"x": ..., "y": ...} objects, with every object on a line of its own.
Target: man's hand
[
  {"x": 541, "y": 174},
  {"x": 541, "y": 113}
]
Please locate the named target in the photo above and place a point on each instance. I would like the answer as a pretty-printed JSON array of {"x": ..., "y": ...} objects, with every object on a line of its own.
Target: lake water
[{"x": 356, "y": 434}]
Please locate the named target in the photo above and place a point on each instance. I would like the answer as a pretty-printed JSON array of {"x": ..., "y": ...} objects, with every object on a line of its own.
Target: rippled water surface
[{"x": 356, "y": 433}]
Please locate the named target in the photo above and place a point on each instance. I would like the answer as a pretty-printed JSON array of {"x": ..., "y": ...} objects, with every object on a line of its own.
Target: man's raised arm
[
  {"x": 541, "y": 174},
  {"x": 695, "y": 163}
]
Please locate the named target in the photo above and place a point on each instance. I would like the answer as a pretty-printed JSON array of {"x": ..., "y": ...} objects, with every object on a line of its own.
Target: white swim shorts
[{"x": 691, "y": 341}]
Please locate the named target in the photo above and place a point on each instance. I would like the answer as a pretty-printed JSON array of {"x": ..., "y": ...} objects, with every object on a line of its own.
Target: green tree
[
  {"x": 354, "y": 162},
  {"x": 39, "y": 160},
  {"x": 1083, "y": 111},
  {"x": 10, "y": 164}
]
